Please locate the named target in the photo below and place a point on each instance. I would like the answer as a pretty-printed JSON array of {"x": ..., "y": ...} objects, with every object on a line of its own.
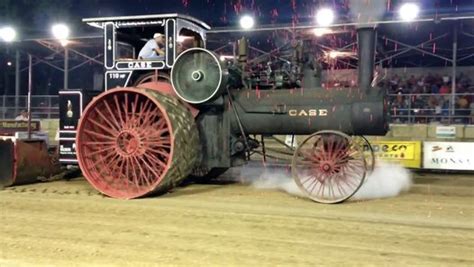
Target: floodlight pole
[
  {"x": 66, "y": 68},
  {"x": 453, "y": 78},
  {"x": 17, "y": 80},
  {"x": 30, "y": 79}
]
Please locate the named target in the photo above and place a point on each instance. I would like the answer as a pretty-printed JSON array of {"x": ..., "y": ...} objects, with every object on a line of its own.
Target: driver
[{"x": 153, "y": 49}]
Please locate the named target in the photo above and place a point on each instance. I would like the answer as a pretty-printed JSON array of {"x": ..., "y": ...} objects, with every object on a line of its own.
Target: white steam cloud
[
  {"x": 365, "y": 11},
  {"x": 387, "y": 180}
]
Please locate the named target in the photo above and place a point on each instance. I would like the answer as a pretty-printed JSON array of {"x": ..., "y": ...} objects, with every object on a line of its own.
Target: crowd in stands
[
  {"x": 428, "y": 98},
  {"x": 423, "y": 98}
]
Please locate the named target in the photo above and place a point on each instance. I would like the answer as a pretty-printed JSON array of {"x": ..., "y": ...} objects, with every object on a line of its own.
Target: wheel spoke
[
  {"x": 109, "y": 130},
  {"x": 150, "y": 169},
  {"x": 102, "y": 150},
  {"x": 119, "y": 112},
  {"x": 340, "y": 188},
  {"x": 95, "y": 143},
  {"x": 135, "y": 104},
  {"x": 135, "y": 174},
  {"x": 126, "y": 108},
  {"x": 99, "y": 135},
  {"x": 316, "y": 181},
  {"x": 155, "y": 160},
  {"x": 112, "y": 126},
  {"x": 112, "y": 115},
  {"x": 143, "y": 107},
  {"x": 308, "y": 178},
  {"x": 161, "y": 152}
]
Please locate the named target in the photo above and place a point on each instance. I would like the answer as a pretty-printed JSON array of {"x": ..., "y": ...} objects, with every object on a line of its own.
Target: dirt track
[{"x": 67, "y": 223}]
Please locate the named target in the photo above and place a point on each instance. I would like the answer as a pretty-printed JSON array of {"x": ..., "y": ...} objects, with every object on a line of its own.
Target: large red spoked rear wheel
[
  {"x": 329, "y": 167},
  {"x": 135, "y": 142}
]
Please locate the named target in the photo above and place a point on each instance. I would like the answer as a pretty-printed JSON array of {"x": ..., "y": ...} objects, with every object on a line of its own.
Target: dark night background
[
  {"x": 34, "y": 15},
  {"x": 33, "y": 19}
]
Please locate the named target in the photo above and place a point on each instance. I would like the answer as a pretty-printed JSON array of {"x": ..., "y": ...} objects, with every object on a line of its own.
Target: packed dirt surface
[{"x": 67, "y": 223}]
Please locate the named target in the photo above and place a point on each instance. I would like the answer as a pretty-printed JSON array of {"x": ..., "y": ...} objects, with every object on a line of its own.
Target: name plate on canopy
[{"x": 140, "y": 65}]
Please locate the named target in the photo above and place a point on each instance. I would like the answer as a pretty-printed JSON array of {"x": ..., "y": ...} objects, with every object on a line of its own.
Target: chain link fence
[{"x": 42, "y": 106}]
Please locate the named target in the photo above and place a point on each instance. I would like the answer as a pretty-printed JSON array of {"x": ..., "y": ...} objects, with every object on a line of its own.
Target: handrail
[
  {"x": 409, "y": 111},
  {"x": 416, "y": 108}
]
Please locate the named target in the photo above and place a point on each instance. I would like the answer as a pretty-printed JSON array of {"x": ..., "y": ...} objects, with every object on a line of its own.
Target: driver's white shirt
[{"x": 148, "y": 50}]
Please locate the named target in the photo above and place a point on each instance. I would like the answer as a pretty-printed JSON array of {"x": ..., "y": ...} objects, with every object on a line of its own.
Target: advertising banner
[
  {"x": 448, "y": 155},
  {"x": 10, "y": 127},
  {"x": 446, "y": 132},
  {"x": 407, "y": 153}
]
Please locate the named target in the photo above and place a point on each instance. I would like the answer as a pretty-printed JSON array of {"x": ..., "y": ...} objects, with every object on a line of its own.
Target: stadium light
[
  {"x": 409, "y": 11},
  {"x": 61, "y": 32},
  {"x": 64, "y": 42},
  {"x": 7, "y": 34},
  {"x": 247, "y": 22},
  {"x": 325, "y": 17}
]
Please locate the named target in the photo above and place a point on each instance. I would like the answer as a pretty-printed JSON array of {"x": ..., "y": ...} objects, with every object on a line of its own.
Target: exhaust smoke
[
  {"x": 387, "y": 180},
  {"x": 365, "y": 11}
]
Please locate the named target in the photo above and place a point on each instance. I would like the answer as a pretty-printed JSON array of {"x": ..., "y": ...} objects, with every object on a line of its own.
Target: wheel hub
[
  {"x": 328, "y": 167},
  {"x": 128, "y": 143},
  {"x": 197, "y": 75}
]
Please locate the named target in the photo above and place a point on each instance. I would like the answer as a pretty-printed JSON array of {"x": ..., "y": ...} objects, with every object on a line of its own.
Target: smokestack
[
  {"x": 366, "y": 39},
  {"x": 366, "y": 13}
]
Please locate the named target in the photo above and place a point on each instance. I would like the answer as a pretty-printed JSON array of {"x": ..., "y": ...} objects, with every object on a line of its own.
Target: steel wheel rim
[
  {"x": 368, "y": 152},
  {"x": 329, "y": 167},
  {"x": 125, "y": 153}
]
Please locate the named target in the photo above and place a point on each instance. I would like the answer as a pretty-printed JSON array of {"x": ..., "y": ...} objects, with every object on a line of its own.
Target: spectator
[
  {"x": 445, "y": 89},
  {"x": 23, "y": 116},
  {"x": 434, "y": 88},
  {"x": 445, "y": 107},
  {"x": 462, "y": 109},
  {"x": 400, "y": 108}
]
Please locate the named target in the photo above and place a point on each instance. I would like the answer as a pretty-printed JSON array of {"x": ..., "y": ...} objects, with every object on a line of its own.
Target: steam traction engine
[{"x": 191, "y": 113}]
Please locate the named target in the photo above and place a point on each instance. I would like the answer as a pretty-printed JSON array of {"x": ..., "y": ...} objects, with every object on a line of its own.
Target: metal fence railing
[
  {"x": 427, "y": 108},
  {"x": 404, "y": 108},
  {"x": 42, "y": 106}
]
